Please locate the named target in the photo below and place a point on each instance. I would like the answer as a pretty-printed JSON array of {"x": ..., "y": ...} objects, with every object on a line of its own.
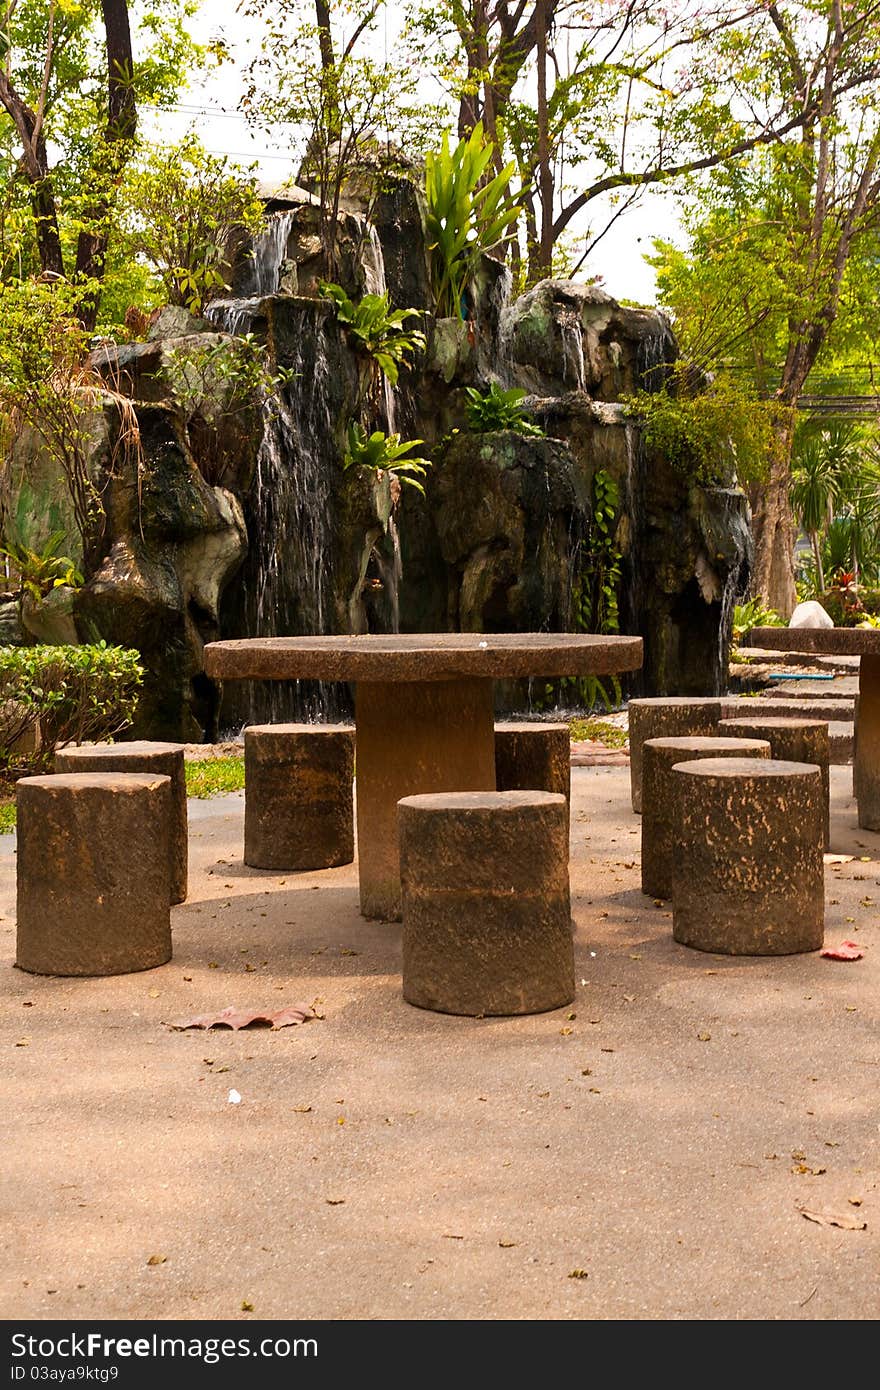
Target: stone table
[
  {"x": 424, "y": 712},
  {"x": 863, "y": 642}
]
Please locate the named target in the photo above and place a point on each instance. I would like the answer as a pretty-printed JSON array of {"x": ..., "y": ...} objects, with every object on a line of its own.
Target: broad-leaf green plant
[
  {"x": 377, "y": 329},
  {"x": 385, "y": 453},
  {"x": 754, "y": 613},
  {"x": 497, "y": 409},
  {"x": 468, "y": 215},
  {"x": 40, "y": 571}
]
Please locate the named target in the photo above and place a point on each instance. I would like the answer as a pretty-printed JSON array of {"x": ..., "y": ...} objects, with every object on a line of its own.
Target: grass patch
[
  {"x": 214, "y": 776},
  {"x": 7, "y": 817},
  {"x": 597, "y": 731}
]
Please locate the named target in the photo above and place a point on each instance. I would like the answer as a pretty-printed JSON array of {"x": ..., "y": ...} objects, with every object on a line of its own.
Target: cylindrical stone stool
[
  {"x": 747, "y": 866},
  {"x": 486, "y": 912},
  {"x": 533, "y": 757},
  {"x": 659, "y": 756},
  {"x": 298, "y": 799},
  {"x": 94, "y": 873},
  {"x": 676, "y": 716},
  {"x": 161, "y": 759},
  {"x": 793, "y": 741}
]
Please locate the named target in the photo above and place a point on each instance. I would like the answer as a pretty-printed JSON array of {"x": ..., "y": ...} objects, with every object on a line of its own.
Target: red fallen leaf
[
  {"x": 847, "y": 950},
  {"x": 248, "y": 1018}
]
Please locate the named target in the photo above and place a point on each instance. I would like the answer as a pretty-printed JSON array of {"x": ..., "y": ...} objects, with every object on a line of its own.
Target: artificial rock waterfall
[{"x": 240, "y": 520}]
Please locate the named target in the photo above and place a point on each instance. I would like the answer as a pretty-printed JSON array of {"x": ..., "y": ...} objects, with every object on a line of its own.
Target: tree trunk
[
  {"x": 773, "y": 529},
  {"x": 35, "y": 167},
  {"x": 91, "y": 250},
  {"x": 544, "y": 259}
]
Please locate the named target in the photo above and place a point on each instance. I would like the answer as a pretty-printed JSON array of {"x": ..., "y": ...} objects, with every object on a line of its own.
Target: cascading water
[
  {"x": 260, "y": 273},
  {"x": 373, "y": 263},
  {"x": 287, "y": 582},
  {"x": 233, "y": 316},
  {"x": 390, "y": 570}
]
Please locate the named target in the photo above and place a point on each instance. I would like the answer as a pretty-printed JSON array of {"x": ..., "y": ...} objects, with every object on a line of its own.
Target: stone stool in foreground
[
  {"x": 486, "y": 912},
  {"x": 298, "y": 799},
  {"x": 94, "y": 873},
  {"x": 659, "y": 756},
  {"x": 533, "y": 757},
  {"x": 161, "y": 759},
  {"x": 791, "y": 740},
  {"x": 748, "y": 866},
  {"x": 666, "y": 717}
]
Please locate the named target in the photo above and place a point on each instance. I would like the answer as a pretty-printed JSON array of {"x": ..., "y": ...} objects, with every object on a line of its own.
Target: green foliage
[
  {"x": 835, "y": 495},
  {"x": 44, "y": 570},
  {"x": 469, "y": 213},
  {"x": 377, "y": 329},
  {"x": 185, "y": 212},
  {"x": 235, "y": 369},
  {"x": 595, "y": 591},
  {"x": 70, "y": 694},
  {"x": 7, "y": 817},
  {"x": 49, "y": 386},
  {"x": 722, "y": 433},
  {"x": 214, "y": 776},
  {"x": 753, "y": 614},
  {"x": 497, "y": 409},
  {"x": 64, "y": 82},
  {"x": 385, "y": 453}
]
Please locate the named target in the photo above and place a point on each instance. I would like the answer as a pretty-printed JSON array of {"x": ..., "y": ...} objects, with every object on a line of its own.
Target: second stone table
[
  {"x": 424, "y": 713},
  {"x": 863, "y": 642}
]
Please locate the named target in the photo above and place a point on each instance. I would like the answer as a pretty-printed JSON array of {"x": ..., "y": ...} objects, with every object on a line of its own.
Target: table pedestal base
[
  {"x": 413, "y": 736},
  {"x": 866, "y": 755}
]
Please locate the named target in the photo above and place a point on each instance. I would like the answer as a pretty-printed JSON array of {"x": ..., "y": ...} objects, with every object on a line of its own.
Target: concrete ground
[{"x": 643, "y": 1154}]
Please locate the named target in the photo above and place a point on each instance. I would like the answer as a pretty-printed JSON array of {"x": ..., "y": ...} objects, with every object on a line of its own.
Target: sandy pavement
[{"x": 658, "y": 1138}]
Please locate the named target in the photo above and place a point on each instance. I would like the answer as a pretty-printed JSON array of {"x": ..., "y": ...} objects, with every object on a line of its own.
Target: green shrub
[
  {"x": 722, "y": 432},
  {"x": 497, "y": 409},
  {"x": 67, "y": 695}
]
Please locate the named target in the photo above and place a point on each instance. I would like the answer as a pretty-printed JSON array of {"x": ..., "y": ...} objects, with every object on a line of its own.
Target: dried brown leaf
[
  {"x": 842, "y": 1220},
  {"x": 248, "y": 1018}
]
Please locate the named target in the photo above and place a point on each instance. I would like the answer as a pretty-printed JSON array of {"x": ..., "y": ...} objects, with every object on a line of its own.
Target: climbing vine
[{"x": 594, "y": 596}]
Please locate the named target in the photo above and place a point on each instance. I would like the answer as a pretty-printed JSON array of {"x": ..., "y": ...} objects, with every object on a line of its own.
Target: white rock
[{"x": 810, "y": 614}]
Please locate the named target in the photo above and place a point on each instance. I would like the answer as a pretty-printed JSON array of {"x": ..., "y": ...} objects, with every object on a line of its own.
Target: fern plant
[
  {"x": 377, "y": 329},
  {"x": 468, "y": 214},
  {"x": 497, "y": 409},
  {"x": 385, "y": 453},
  {"x": 41, "y": 571}
]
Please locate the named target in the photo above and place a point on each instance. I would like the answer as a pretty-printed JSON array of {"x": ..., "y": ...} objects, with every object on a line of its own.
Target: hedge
[{"x": 66, "y": 695}]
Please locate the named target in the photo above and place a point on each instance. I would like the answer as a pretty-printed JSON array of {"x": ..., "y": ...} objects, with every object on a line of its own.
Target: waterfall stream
[{"x": 287, "y": 583}]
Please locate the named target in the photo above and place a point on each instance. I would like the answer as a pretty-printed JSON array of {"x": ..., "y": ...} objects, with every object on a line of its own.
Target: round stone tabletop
[
  {"x": 824, "y": 641},
  {"x": 431, "y": 656}
]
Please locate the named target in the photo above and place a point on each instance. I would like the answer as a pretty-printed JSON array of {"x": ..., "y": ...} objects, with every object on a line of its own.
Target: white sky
[{"x": 210, "y": 107}]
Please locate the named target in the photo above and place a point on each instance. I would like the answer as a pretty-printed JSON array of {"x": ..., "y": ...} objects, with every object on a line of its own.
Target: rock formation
[{"x": 241, "y": 520}]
